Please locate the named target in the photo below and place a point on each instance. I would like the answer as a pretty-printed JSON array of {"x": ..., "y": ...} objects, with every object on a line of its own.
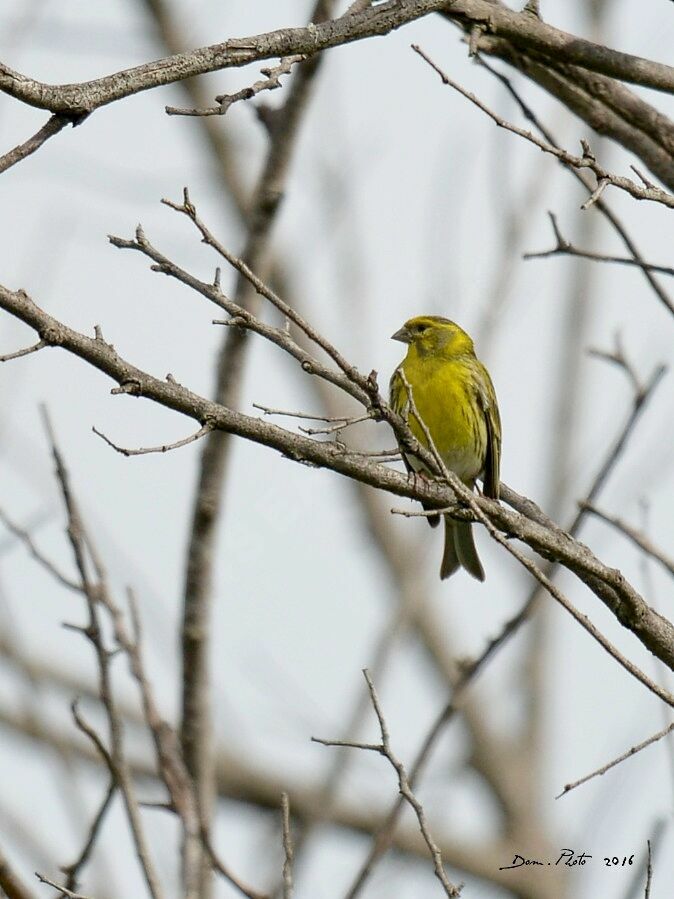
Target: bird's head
[{"x": 434, "y": 334}]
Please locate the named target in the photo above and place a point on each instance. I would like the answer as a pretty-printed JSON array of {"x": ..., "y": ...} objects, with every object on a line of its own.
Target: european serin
[{"x": 454, "y": 397}]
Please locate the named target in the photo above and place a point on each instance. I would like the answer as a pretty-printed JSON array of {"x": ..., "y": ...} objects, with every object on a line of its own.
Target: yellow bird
[{"x": 454, "y": 397}]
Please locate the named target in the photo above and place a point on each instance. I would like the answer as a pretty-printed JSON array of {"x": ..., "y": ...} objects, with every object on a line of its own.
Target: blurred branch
[
  {"x": 72, "y": 870},
  {"x": 196, "y": 731},
  {"x": 637, "y": 537},
  {"x": 171, "y": 768},
  {"x": 10, "y": 882},
  {"x": 25, "y": 537}
]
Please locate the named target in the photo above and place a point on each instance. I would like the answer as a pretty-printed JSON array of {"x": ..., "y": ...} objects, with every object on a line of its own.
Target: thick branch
[
  {"x": 520, "y": 28},
  {"x": 653, "y": 630},
  {"x": 90, "y": 95}
]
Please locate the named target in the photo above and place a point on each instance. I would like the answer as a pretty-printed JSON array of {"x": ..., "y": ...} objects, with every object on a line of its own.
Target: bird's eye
[{"x": 421, "y": 328}]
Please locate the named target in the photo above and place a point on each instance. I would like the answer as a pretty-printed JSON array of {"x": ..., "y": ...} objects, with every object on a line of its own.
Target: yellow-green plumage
[{"x": 454, "y": 397}]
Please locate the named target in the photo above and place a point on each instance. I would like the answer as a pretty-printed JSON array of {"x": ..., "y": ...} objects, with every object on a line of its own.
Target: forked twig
[{"x": 404, "y": 785}]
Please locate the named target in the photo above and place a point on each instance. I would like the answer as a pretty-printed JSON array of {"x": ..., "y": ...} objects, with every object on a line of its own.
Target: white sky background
[{"x": 394, "y": 208}]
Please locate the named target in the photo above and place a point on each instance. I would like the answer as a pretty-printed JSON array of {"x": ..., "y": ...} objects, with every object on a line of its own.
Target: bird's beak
[{"x": 403, "y": 335}]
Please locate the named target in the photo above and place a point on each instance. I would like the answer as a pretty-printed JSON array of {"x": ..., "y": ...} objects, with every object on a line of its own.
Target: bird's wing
[
  {"x": 492, "y": 463},
  {"x": 399, "y": 401}
]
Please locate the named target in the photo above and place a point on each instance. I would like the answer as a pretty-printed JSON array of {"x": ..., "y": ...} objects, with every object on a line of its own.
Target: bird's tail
[{"x": 460, "y": 550}]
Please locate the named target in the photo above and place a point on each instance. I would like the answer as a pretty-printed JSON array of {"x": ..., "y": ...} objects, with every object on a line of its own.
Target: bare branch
[
  {"x": 618, "y": 356},
  {"x": 24, "y": 536},
  {"x": 72, "y": 870},
  {"x": 655, "y": 632},
  {"x": 62, "y": 889},
  {"x": 581, "y": 176},
  {"x": 227, "y": 874},
  {"x": 523, "y": 29},
  {"x": 384, "y": 835},
  {"x": 287, "y": 848},
  {"x": 115, "y": 757},
  {"x": 364, "y": 384},
  {"x": 25, "y": 352},
  {"x": 564, "y": 247},
  {"x": 637, "y": 537},
  {"x": 270, "y": 82},
  {"x": 76, "y": 99},
  {"x": 467, "y": 497},
  {"x": 404, "y": 786},
  {"x": 586, "y": 161},
  {"x": 621, "y": 758},
  {"x": 10, "y": 882},
  {"x": 55, "y": 124},
  {"x": 162, "y": 448}
]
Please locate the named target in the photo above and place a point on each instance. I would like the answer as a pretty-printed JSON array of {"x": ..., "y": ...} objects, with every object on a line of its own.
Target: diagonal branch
[
  {"x": 547, "y": 539},
  {"x": 637, "y": 537},
  {"x": 586, "y": 161},
  {"x": 55, "y": 124}
]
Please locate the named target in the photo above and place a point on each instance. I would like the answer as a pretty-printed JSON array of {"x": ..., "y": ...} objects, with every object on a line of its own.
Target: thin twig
[
  {"x": 580, "y": 176},
  {"x": 115, "y": 757},
  {"x": 53, "y": 125},
  {"x": 40, "y": 345},
  {"x": 564, "y": 247},
  {"x": 618, "y": 356},
  {"x": 72, "y": 870},
  {"x": 24, "y": 536},
  {"x": 469, "y": 671},
  {"x": 187, "y": 208},
  {"x": 616, "y": 761},
  {"x": 404, "y": 785},
  {"x": 62, "y": 889},
  {"x": 225, "y": 872},
  {"x": 649, "y": 873},
  {"x": 586, "y": 161},
  {"x": 328, "y": 419},
  {"x": 270, "y": 82},
  {"x": 637, "y": 537},
  {"x": 162, "y": 448}
]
